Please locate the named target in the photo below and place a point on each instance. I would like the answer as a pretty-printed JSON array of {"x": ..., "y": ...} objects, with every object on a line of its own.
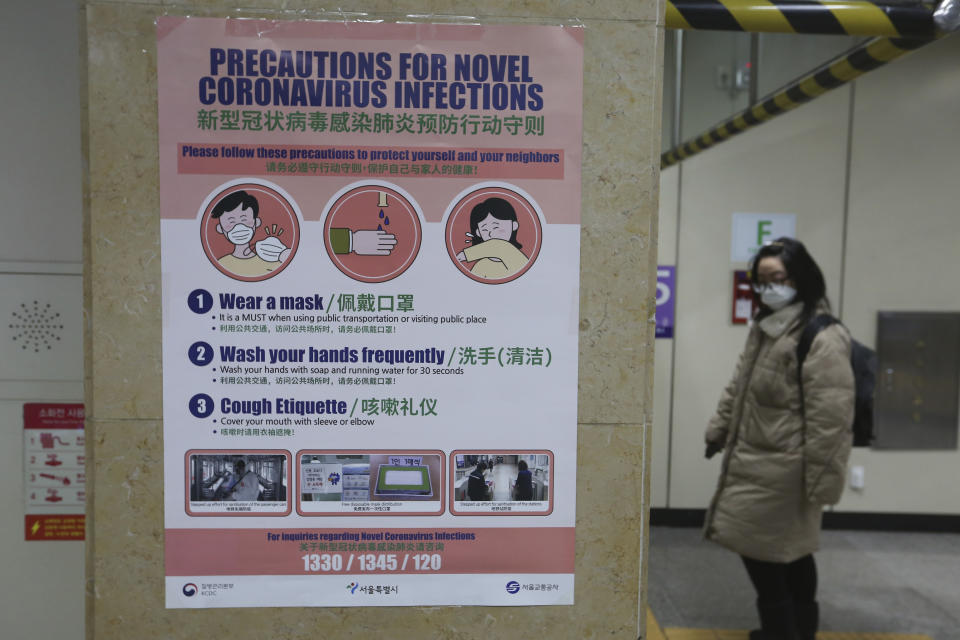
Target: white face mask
[
  {"x": 240, "y": 234},
  {"x": 777, "y": 296}
]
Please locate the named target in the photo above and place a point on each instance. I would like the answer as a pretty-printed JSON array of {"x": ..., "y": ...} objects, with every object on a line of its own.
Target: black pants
[{"x": 776, "y": 581}]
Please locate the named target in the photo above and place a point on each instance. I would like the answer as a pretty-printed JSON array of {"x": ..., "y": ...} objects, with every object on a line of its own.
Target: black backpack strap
[
  {"x": 814, "y": 326},
  {"x": 809, "y": 333}
]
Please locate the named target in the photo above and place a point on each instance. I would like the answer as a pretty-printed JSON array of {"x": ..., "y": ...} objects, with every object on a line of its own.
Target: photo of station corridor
[{"x": 505, "y": 477}]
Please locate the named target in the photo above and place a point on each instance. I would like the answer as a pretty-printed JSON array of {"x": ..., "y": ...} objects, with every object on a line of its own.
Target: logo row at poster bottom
[
  {"x": 495, "y": 589},
  {"x": 250, "y": 482}
]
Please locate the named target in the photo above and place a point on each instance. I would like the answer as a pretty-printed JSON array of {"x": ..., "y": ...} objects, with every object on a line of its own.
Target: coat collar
[{"x": 775, "y": 324}]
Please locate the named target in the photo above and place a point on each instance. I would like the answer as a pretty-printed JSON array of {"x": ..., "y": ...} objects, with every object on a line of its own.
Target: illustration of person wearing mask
[
  {"x": 238, "y": 217},
  {"x": 493, "y": 249}
]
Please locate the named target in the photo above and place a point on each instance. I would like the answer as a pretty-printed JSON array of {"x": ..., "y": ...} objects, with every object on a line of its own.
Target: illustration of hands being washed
[{"x": 363, "y": 242}]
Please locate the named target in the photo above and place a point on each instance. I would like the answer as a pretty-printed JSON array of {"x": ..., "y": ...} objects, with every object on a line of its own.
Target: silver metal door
[{"x": 918, "y": 380}]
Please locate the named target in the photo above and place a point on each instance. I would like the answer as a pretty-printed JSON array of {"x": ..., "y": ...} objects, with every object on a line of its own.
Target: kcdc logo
[
  {"x": 189, "y": 589},
  {"x": 513, "y": 587}
]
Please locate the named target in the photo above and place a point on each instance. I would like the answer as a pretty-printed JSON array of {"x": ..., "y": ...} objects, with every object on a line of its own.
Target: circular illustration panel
[
  {"x": 372, "y": 233},
  {"x": 493, "y": 234},
  {"x": 250, "y": 231}
]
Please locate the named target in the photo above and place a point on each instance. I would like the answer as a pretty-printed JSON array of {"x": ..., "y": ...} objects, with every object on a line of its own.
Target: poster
[
  {"x": 54, "y": 470},
  {"x": 370, "y": 257}
]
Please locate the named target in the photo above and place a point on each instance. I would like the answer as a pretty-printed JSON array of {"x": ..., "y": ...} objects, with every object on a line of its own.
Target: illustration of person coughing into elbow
[{"x": 493, "y": 249}]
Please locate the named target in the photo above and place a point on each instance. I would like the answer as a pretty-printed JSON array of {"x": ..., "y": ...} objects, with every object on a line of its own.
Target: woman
[
  {"x": 785, "y": 453},
  {"x": 493, "y": 238},
  {"x": 523, "y": 487}
]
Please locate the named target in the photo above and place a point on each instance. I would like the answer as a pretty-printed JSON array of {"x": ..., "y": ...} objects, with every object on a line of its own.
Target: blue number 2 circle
[{"x": 200, "y": 353}]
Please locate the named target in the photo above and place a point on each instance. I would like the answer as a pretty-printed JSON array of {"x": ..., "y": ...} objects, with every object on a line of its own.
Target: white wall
[
  {"x": 903, "y": 236},
  {"x": 784, "y": 57},
  {"x": 704, "y": 103},
  {"x": 40, "y": 167},
  {"x": 663, "y": 349},
  {"x": 40, "y": 255},
  {"x": 904, "y": 249}
]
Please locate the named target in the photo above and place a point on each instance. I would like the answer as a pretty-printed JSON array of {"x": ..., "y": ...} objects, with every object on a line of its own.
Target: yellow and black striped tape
[
  {"x": 840, "y": 17},
  {"x": 831, "y": 75}
]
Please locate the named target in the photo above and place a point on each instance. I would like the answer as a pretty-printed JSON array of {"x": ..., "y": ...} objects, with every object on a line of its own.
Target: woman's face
[
  {"x": 770, "y": 270},
  {"x": 491, "y": 227}
]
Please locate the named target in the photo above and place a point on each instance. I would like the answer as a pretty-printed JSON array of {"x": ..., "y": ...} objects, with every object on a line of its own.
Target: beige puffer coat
[{"x": 783, "y": 459}]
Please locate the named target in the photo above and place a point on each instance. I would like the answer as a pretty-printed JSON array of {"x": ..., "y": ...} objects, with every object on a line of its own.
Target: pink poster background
[
  {"x": 189, "y": 161},
  {"x": 191, "y": 552},
  {"x": 184, "y": 57}
]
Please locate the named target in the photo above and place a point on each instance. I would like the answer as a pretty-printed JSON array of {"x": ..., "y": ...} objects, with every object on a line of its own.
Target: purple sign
[{"x": 666, "y": 289}]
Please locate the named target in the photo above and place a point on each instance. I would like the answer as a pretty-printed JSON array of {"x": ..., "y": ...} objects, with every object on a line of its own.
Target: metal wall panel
[{"x": 918, "y": 380}]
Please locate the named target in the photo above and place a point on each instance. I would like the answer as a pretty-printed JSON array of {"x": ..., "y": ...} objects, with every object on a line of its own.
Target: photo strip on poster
[{"x": 370, "y": 240}]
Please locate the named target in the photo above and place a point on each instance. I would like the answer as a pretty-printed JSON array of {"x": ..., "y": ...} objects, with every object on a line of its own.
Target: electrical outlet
[
  {"x": 741, "y": 80},
  {"x": 857, "y": 477},
  {"x": 723, "y": 77}
]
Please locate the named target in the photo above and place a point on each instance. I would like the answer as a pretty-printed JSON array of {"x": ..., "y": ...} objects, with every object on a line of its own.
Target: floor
[
  {"x": 872, "y": 586},
  {"x": 503, "y": 475}
]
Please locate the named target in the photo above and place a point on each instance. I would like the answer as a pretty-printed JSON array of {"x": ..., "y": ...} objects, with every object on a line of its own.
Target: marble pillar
[{"x": 622, "y": 86}]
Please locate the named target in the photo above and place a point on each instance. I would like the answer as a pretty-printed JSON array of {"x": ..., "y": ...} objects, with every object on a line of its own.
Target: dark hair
[
  {"x": 806, "y": 275},
  {"x": 499, "y": 209},
  {"x": 522, "y": 465},
  {"x": 231, "y": 201},
  {"x": 481, "y": 466}
]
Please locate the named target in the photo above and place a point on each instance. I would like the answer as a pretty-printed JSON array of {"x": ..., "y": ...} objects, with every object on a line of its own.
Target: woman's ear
[{"x": 516, "y": 225}]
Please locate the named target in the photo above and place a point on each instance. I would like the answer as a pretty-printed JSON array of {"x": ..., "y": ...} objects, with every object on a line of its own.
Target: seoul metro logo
[
  {"x": 189, "y": 589},
  {"x": 513, "y": 587}
]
